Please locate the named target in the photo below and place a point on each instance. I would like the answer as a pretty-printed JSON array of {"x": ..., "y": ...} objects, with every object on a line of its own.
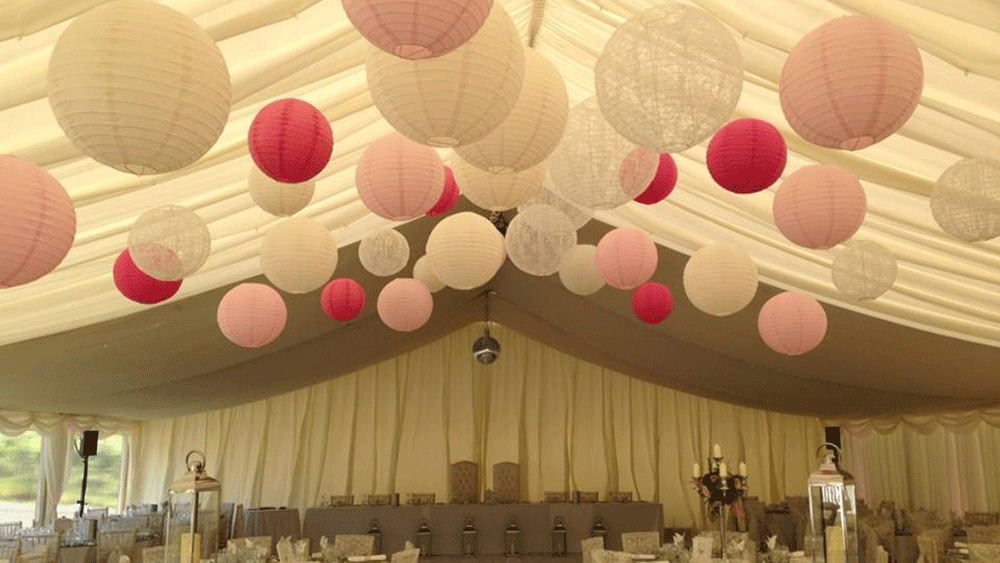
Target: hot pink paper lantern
[
  {"x": 663, "y": 182},
  {"x": 399, "y": 179},
  {"x": 342, "y": 299},
  {"x": 792, "y": 323},
  {"x": 626, "y": 258},
  {"x": 417, "y": 29},
  {"x": 252, "y": 315},
  {"x": 449, "y": 196},
  {"x": 746, "y": 156},
  {"x": 851, "y": 82},
  {"x": 819, "y": 206},
  {"x": 290, "y": 140},
  {"x": 405, "y": 304},
  {"x": 37, "y": 222},
  {"x": 652, "y": 302},
  {"x": 139, "y": 286}
]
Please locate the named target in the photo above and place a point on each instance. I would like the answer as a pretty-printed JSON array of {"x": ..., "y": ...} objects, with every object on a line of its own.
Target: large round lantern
[
  {"x": 37, "y": 222},
  {"x": 252, "y": 315},
  {"x": 792, "y": 323},
  {"x": 417, "y": 29},
  {"x": 669, "y": 77},
  {"x": 139, "y": 286},
  {"x": 124, "y": 95},
  {"x": 290, "y": 141},
  {"x": 720, "y": 279},
  {"x": 342, "y": 299},
  {"x": 455, "y": 99},
  {"x": 422, "y": 271},
  {"x": 746, "y": 156},
  {"x": 298, "y": 255},
  {"x": 449, "y": 196},
  {"x": 547, "y": 196},
  {"x": 626, "y": 258},
  {"x": 819, "y": 206},
  {"x": 405, "y": 304},
  {"x": 398, "y": 179},
  {"x": 662, "y": 183},
  {"x": 577, "y": 271},
  {"x": 652, "y": 302},
  {"x": 864, "y": 270},
  {"x": 498, "y": 192},
  {"x": 170, "y": 242},
  {"x": 384, "y": 252},
  {"x": 278, "y": 198},
  {"x": 851, "y": 82},
  {"x": 538, "y": 238},
  {"x": 465, "y": 250},
  {"x": 965, "y": 200}
]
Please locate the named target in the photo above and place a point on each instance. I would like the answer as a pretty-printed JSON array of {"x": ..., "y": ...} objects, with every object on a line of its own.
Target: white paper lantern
[
  {"x": 423, "y": 272},
  {"x": 577, "y": 271},
  {"x": 864, "y": 270},
  {"x": 298, "y": 255},
  {"x": 546, "y": 196},
  {"x": 532, "y": 129},
  {"x": 465, "y": 250},
  {"x": 965, "y": 200},
  {"x": 455, "y": 99},
  {"x": 538, "y": 238},
  {"x": 276, "y": 197},
  {"x": 405, "y": 304},
  {"x": 720, "y": 279},
  {"x": 586, "y": 167},
  {"x": 385, "y": 252},
  {"x": 497, "y": 192},
  {"x": 669, "y": 77},
  {"x": 139, "y": 87},
  {"x": 170, "y": 242}
]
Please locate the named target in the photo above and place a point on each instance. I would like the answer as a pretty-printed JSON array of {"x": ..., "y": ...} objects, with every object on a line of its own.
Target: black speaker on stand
[{"x": 87, "y": 448}]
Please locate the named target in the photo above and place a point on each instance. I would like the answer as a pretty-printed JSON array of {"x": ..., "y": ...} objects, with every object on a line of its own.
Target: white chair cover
[
  {"x": 406, "y": 556},
  {"x": 345, "y": 546},
  {"x": 640, "y": 542},
  {"x": 589, "y": 546}
]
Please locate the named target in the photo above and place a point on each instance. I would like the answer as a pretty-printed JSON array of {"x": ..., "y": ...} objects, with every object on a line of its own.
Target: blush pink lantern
[
  {"x": 399, "y": 179},
  {"x": 252, "y": 315},
  {"x": 626, "y": 258},
  {"x": 417, "y": 29},
  {"x": 652, "y": 302},
  {"x": 819, "y": 206},
  {"x": 405, "y": 304},
  {"x": 746, "y": 156},
  {"x": 342, "y": 299},
  {"x": 792, "y": 323},
  {"x": 290, "y": 141}
]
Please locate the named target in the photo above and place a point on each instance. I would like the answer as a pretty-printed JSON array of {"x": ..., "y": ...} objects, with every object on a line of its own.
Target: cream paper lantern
[
  {"x": 864, "y": 270},
  {"x": 669, "y": 77},
  {"x": 497, "y": 192},
  {"x": 465, "y": 250},
  {"x": 720, "y": 279},
  {"x": 423, "y": 272},
  {"x": 384, "y": 252},
  {"x": 278, "y": 198},
  {"x": 586, "y": 167},
  {"x": 532, "y": 129},
  {"x": 546, "y": 196},
  {"x": 538, "y": 238},
  {"x": 139, "y": 87},
  {"x": 965, "y": 200},
  {"x": 170, "y": 242},
  {"x": 298, "y": 255},
  {"x": 455, "y": 99},
  {"x": 577, "y": 272}
]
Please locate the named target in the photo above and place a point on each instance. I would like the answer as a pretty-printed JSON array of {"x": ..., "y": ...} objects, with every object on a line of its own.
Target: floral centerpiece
[{"x": 717, "y": 491}]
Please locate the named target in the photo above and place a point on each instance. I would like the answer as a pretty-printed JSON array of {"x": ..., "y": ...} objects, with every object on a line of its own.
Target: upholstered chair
[
  {"x": 507, "y": 482},
  {"x": 463, "y": 483}
]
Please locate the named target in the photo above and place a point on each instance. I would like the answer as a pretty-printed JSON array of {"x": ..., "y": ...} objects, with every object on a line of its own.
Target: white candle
[
  {"x": 743, "y": 468},
  {"x": 722, "y": 470},
  {"x": 716, "y": 451},
  {"x": 696, "y": 472}
]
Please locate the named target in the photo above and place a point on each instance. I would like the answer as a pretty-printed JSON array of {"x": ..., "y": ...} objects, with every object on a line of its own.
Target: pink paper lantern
[
  {"x": 626, "y": 258},
  {"x": 792, "y": 323},
  {"x": 290, "y": 140},
  {"x": 449, "y": 196},
  {"x": 746, "y": 156},
  {"x": 342, "y": 299},
  {"x": 37, "y": 222},
  {"x": 399, "y": 179},
  {"x": 851, "y": 82},
  {"x": 417, "y": 29},
  {"x": 663, "y": 182},
  {"x": 252, "y": 315},
  {"x": 652, "y": 302},
  {"x": 405, "y": 304},
  {"x": 139, "y": 286},
  {"x": 819, "y": 206}
]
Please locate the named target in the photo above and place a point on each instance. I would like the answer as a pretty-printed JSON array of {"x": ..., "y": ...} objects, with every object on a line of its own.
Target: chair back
[
  {"x": 982, "y": 518},
  {"x": 983, "y": 534},
  {"x": 643, "y": 543},
  {"x": 463, "y": 483},
  {"x": 38, "y": 544},
  {"x": 116, "y": 541},
  {"x": 881, "y": 555},
  {"x": 930, "y": 547},
  {"x": 9, "y": 549},
  {"x": 153, "y": 554},
  {"x": 589, "y": 546},
  {"x": 984, "y": 553},
  {"x": 507, "y": 482},
  {"x": 346, "y": 545},
  {"x": 9, "y": 529},
  {"x": 406, "y": 556}
]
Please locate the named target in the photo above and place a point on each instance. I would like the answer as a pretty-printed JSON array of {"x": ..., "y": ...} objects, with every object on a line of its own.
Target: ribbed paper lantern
[
  {"x": 819, "y": 206},
  {"x": 720, "y": 279},
  {"x": 792, "y": 323},
  {"x": 532, "y": 129},
  {"x": 278, "y": 198},
  {"x": 465, "y": 250},
  {"x": 669, "y": 77},
  {"x": 405, "y": 304},
  {"x": 586, "y": 167},
  {"x": 449, "y": 196},
  {"x": 498, "y": 192},
  {"x": 546, "y": 196},
  {"x": 577, "y": 271},
  {"x": 37, "y": 222},
  {"x": 422, "y": 271},
  {"x": 965, "y": 200},
  {"x": 252, "y": 315},
  {"x": 170, "y": 242},
  {"x": 538, "y": 238},
  {"x": 342, "y": 299},
  {"x": 290, "y": 141},
  {"x": 384, "y": 252},
  {"x": 139, "y": 87},
  {"x": 663, "y": 182},
  {"x": 398, "y": 179},
  {"x": 746, "y": 156},
  {"x": 626, "y": 258},
  {"x": 139, "y": 286},
  {"x": 455, "y": 99},
  {"x": 851, "y": 82},
  {"x": 652, "y": 302},
  {"x": 298, "y": 255},
  {"x": 864, "y": 270},
  {"x": 417, "y": 29}
]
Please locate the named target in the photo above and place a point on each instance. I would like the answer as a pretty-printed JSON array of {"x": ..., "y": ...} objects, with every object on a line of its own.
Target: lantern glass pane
[
  {"x": 833, "y": 518},
  {"x": 180, "y": 513}
]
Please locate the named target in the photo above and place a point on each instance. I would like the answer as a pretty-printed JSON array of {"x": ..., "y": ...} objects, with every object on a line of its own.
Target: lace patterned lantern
[
  {"x": 577, "y": 271},
  {"x": 833, "y": 512},
  {"x": 417, "y": 29},
  {"x": 384, "y": 252},
  {"x": 278, "y": 198},
  {"x": 538, "y": 238},
  {"x": 546, "y": 196},
  {"x": 170, "y": 242},
  {"x": 192, "y": 517},
  {"x": 965, "y": 200},
  {"x": 720, "y": 279},
  {"x": 864, "y": 270},
  {"x": 498, "y": 192},
  {"x": 298, "y": 255},
  {"x": 465, "y": 250}
]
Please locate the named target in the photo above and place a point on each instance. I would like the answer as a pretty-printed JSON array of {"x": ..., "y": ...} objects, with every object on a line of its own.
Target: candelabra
[{"x": 720, "y": 489}]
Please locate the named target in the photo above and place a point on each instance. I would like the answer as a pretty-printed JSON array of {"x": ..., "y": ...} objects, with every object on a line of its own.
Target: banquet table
[{"x": 274, "y": 522}]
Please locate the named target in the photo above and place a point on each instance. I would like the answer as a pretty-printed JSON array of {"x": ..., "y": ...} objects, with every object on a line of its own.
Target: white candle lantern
[{"x": 833, "y": 530}]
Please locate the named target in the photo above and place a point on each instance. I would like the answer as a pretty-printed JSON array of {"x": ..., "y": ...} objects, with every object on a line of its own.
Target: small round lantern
[
  {"x": 577, "y": 271},
  {"x": 298, "y": 255},
  {"x": 290, "y": 141},
  {"x": 864, "y": 270},
  {"x": 139, "y": 286},
  {"x": 792, "y": 323},
  {"x": 422, "y": 271},
  {"x": 170, "y": 242},
  {"x": 546, "y": 196},
  {"x": 417, "y": 29},
  {"x": 398, "y": 179},
  {"x": 278, "y": 198},
  {"x": 746, "y": 156},
  {"x": 819, "y": 206},
  {"x": 538, "y": 238},
  {"x": 720, "y": 279},
  {"x": 342, "y": 299},
  {"x": 663, "y": 182},
  {"x": 626, "y": 258},
  {"x": 252, "y": 315},
  {"x": 652, "y": 302},
  {"x": 449, "y": 196},
  {"x": 384, "y": 252},
  {"x": 965, "y": 200},
  {"x": 465, "y": 250},
  {"x": 405, "y": 304},
  {"x": 498, "y": 192}
]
